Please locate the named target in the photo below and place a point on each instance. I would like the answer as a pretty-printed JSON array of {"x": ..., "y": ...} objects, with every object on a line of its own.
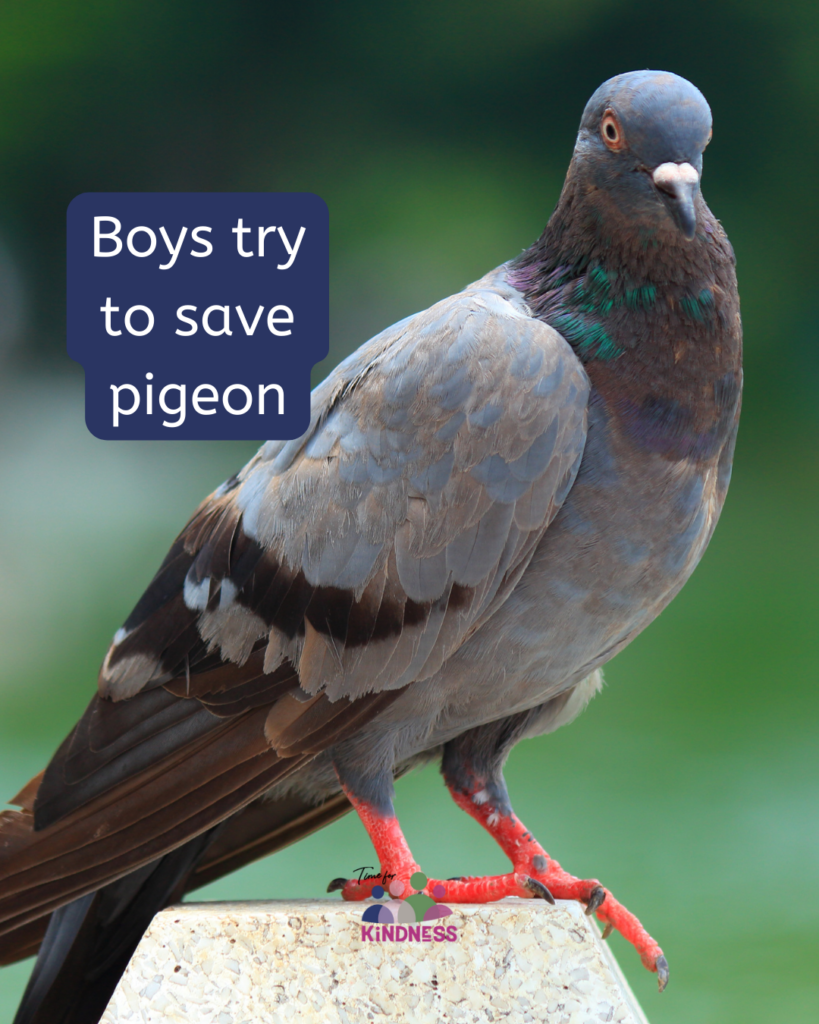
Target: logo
[{"x": 410, "y": 919}]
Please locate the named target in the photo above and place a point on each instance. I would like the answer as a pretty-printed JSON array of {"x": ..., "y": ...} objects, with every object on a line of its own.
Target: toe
[
  {"x": 661, "y": 967},
  {"x": 537, "y": 889},
  {"x": 351, "y": 889},
  {"x": 598, "y": 895}
]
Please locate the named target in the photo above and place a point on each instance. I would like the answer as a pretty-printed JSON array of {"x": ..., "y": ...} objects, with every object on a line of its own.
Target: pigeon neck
[
  {"x": 598, "y": 275},
  {"x": 653, "y": 318}
]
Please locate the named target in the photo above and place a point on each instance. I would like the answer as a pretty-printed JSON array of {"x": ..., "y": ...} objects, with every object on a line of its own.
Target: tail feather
[
  {"x": 61, "y": 946},
  {"x": 89, "y": 942},
  {"x": 41, "y": 870},
  {"x": 261, "y": 828},
  {"x": 86, "y": 944}
]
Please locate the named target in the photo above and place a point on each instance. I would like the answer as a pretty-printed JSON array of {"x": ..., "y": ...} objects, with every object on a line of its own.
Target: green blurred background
[{"x": 438, "y": 133}]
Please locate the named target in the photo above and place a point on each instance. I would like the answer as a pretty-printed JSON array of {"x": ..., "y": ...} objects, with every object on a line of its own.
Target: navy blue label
[{"x": 198, "y": 315}]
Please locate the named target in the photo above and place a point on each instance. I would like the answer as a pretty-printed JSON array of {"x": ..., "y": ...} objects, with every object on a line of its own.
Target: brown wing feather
[
  {"x": 257, "y": 830},
  {"x": 264, "y": 827}
]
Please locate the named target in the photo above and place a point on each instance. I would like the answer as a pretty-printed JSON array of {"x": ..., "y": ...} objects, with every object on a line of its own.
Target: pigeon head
[{"x": 641, "y": 141}]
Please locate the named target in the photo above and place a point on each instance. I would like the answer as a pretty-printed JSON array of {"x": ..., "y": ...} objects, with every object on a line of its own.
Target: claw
[
  {"x": 538, "y": 889},
  {"x": 598, "y": 894},
  {"x": 661, "y": 967},
  {"x": 607, "y": 930},
  {"x": 336, "y": 884}
]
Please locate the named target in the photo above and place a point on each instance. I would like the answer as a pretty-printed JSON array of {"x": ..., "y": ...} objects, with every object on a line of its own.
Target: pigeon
[{"x": 493, "y": 497}]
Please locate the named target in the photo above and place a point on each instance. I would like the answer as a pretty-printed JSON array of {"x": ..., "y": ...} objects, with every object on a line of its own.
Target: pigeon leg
[
  {"x": 488, "y": 804},
  {"x": 472, "y": 769},
  {"x": 394, "y": 856},
  {"x": 398, "y": 864}
]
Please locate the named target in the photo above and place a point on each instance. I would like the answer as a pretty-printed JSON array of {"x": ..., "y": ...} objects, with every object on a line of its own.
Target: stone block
[{"x": 317, "y": 962}]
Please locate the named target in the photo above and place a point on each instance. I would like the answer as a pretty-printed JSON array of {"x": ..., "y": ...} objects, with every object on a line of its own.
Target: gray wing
[{"x": 364, "y": 553}]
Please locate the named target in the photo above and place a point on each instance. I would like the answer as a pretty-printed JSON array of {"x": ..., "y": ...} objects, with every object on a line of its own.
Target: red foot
[{"x": 530, "y": 859}]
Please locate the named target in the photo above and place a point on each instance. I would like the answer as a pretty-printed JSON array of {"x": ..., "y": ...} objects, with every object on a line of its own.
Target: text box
[{"x": 198, "y": 315}]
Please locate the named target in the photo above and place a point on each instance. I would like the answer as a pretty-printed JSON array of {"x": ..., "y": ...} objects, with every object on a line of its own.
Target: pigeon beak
[{"x": 678, "y": 184}]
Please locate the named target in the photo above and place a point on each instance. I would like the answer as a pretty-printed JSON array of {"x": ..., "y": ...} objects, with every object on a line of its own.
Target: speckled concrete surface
[{"x": 272, "y": 962}]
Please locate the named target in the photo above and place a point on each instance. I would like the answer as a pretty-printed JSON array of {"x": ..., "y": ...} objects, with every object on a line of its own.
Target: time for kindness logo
[
  {"x": 198, "y": 315},
  {"x": 413, "y": 918}
]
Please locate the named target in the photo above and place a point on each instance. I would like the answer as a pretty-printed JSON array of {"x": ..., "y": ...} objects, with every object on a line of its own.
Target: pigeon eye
[{"x": 611, "y": 131}]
